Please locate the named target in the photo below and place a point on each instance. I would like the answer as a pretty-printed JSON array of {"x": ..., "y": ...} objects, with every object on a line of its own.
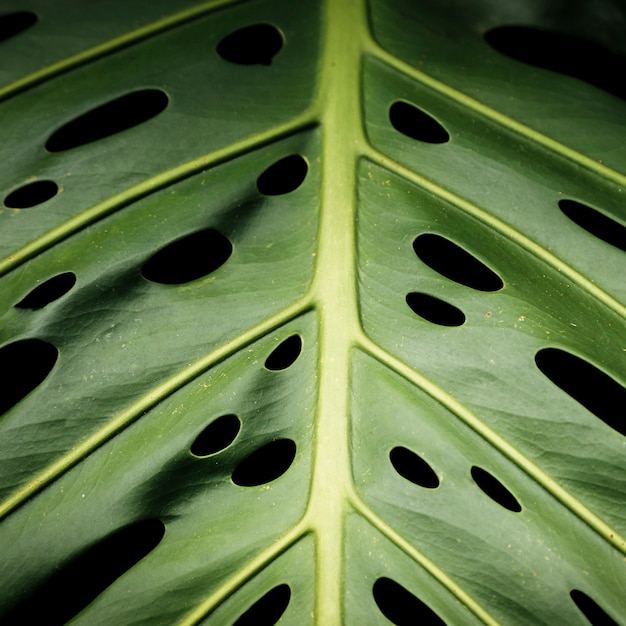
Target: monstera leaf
[{"x": 312, "y": 312}]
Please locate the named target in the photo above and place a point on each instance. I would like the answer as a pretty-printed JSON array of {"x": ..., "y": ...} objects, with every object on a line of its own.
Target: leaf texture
[{"x": 312, "y": 313}]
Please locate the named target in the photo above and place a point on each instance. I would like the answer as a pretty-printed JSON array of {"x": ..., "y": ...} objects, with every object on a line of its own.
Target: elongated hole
[
  {"x": 24, "y": 365},
  {"x": 77, "y": 583},
  {"x": 563, "y": 53},
  {"x": 435, "y": 310},
  {"x": 455, "y": 263},
  {"x": 268, "y": 609},
  {"x": 31, "y": 195},
  {"x": 284, "y": 176},
  {"x": 413, "y": 467},
  {"x": 595, "y": 390},
  {"x": 108, "y": 119},
  {"x": 189, "y": 258},
  {"x": 591, "y": 609},
  {"x": 285, "y": 354},
  {"x": 401, "y": 607},
  {"x": 492, "y": 487},
  {"x": 265, "y": 464},
  {"x": 407, "y": 119},
  {"x": 49, "y": 291},
  {"x": 217, "y": 436},
  {"x": 12, "y": 24},
  {"x": 257, "y": 44},
  {"x": 595, "y": 223}
]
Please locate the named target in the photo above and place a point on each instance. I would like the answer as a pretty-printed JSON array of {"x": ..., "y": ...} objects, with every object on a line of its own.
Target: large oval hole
[
  {"x": 591, "y": 609},
  {"x": 595, "y": 223},
  {"x": 49, "y": 291},
  {"x": 595, "y": 390},
  {"x": 268, "y": 609},
  {"x": 217, "y": 436},
  {"x": 492, "y": 487},
  {"x": 257, "y": 44},
  {"x": 108, "y": 119},
  {"x": 285, "y": 354},
  {"x": 563, "y": 53},
  {"x": 417, "y": 124},
  {"x": 401, "y": 607},
  {"x": 77, "y": 583},
  {"x": 265, "y": 464},
  {"x": 435, "y": 310},
  {"x": 283, "y": 177},
  {"x": 12, "y": 24},
  {"x": 31, "y": 194},
  {"x": 455, "y": 263},
  {"x": 413, "y": 467},
  {"x": 24, "y": 364},
  {"x": 188, "y": 258}
]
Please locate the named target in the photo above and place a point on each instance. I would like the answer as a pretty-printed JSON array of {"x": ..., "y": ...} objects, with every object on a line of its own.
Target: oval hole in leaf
[
  {"x": 257, "y": 44},
  {"x": 188, "y": 258},
  {"x": 401, "y": 607},
  {"x": 108, "y": 119},
  {"x": 31, "y": 194},
  {"x": 455, "y": 263},
  {"x": 217, "y": 436},
  {"x": 492, "y": 487},
  {"x": 563, "y": 53},
  {"x": 413, "y": 467},
  {"x": 268, "y": 609},
  {"x": 283, "y": 177},
  {"x": 12, "y": 24},
  {"x": 595, "y": 223},
  {"x": 79, "y": 582},
  {"x": 435, "y": 310},
  {"x": 417, "y": 124},
  {"x": 590, "y": 609},
  {"x": 49, "y": 291},
  {"x": 285, "y": 354},
  {"x": 24, "y": 364},
  {"x": 265, "y": 464},
  {"x": 595, "y": 390}
]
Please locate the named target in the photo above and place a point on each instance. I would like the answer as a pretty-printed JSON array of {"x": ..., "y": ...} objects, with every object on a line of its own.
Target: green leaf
[{"x": 312, "y": 312}]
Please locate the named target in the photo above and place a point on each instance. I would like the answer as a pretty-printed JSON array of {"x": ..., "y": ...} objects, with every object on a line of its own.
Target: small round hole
[
  {"x": 435, "y": 310},
  {"x": 285, "y": 354},
  {"x": 49, "y": 291},
  {"x": 417, "y": 124},
  {"x": 412, "y": 467},
  {"x": 268, "y": 609},
  {"x": 283, "y": 177},
  {"x": 265, "y": 464},
  {"x": 217, "y": 436},
  {"x": 493, "y": 488},
  {"x": 31, "y": 194},
  {"x": 257, "y": 44}
]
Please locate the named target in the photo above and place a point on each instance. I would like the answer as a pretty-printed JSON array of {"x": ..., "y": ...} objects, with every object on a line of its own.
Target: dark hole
[
  {"x": 595, "y": 223},
  {"x": 14, "y": 23},
  {"x": 401, "y": 607},
  {"x": 283, "y": 176},
  {"x": 31, "y": 195},
  {"x": 113, "y": 117},
  {"x": 79, "y": 582},
  {"x": 253, "y": 45},
  {"x": 49, "y": 291},
  {"x": 435, "y": 310},
  {"x": 265, "y": 464},
  {"x": 559, "y": 52},
  {"x": 267, "y": 610},
  {"x": 218, "y": 435},
  {"x": 590, "y": 609},
  {"x": 594, "y": 389},
  {"x": 455, "y": 263},
  {"x": 495, "y": 489},
  {"x": 24, "y": 364},
  {"x": 285, "y": 354},
  {"x": 413, "y": 467},
  {"x": 416, "y": 124},
  {"x": 189, "y": 258}
]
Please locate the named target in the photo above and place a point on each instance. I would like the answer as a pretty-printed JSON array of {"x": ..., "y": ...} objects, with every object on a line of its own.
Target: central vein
[{"x": 335, "y": 296}]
